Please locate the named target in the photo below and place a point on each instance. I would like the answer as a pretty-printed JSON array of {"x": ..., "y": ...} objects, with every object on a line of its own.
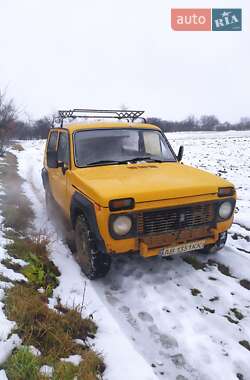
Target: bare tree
[
  {"x": 7, "y": 118},
  {"x": 209, "y": 122}
]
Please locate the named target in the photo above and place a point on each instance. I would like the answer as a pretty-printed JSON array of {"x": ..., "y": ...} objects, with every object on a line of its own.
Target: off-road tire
[{"x": 94, "y": 264}]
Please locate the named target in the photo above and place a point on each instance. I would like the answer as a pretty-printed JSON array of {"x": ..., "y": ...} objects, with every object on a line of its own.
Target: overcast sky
[{"x": 105, "y": 53}]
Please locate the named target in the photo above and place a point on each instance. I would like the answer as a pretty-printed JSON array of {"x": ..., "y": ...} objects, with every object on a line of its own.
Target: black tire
[
  {"x": 94, "y": 264},
  {"x": 214, "y": 248}
]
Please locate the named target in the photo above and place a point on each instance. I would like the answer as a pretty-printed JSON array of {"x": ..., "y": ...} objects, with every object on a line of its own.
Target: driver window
[
  {"x": 63, "y": 148},
  {"x": 52, "y": 142},
  {"x": 152, "y": 143}
]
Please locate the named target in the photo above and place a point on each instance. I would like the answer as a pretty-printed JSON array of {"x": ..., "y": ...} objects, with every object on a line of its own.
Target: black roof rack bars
[{"x": 95, "y": 113}]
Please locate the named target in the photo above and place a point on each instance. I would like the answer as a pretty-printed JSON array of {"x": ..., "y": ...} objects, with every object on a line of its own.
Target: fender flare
[{"x": 81, "y": 205}]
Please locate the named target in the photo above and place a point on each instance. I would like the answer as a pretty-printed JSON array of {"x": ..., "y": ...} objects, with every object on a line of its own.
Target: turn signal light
[
  {"x": 226, "y": 191},
  {"x": 121, "y": 204}
]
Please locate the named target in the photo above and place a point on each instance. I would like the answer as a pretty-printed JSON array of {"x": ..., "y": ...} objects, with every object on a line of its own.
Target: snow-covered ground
[{"x": 150, "y": 324}]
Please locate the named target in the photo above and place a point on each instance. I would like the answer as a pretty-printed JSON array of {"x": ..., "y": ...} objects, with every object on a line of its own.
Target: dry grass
[
  {"x": 52, "y": 333},
  {"x": 90, "y": 366}
]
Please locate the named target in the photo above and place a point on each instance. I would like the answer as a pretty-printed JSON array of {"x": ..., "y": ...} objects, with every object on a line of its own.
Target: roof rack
[{"x": 95, "y": 113}]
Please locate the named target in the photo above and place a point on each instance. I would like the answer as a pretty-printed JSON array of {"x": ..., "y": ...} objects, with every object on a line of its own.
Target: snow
[
  {"x": 150, "y": 324},
  {"x": 46, "y": 370},
  {"x": 3, "y": 375},
  {"x": 7, "y": 346},
  {"x": 73, "y": 359},
  {"x": 34, "y": 351}
]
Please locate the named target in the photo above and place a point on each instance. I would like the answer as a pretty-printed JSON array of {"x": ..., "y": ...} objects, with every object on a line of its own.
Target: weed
[
  {"x": 40, "y": 275},
  {"x": 195, "y": 292},
  {"x": 40, "y": 271},
  {"x": 65, "y": 371},
  {"x": 221, "y": 268},
  {"x": 237, "y": 314},
  {"x": 22, "y": 365},
  {"x": 196, "y": 264},
  {"x": 212, "y": 311}
]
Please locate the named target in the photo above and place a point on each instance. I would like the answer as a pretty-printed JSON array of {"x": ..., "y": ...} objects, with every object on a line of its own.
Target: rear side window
[
  {"x": 63, "y": 148},
  {"x": 52, "y": 144}
]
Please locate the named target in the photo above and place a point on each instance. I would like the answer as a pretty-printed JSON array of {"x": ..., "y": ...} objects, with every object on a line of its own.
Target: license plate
[{"x": 182, "y": 248}]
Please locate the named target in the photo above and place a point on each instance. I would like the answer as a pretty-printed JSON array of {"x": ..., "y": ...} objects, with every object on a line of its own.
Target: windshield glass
[{"x": 107, "y": 146}]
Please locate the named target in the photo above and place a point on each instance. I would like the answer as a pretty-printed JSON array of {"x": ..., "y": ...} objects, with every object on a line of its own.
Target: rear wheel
[
  {"x": 213, "y": 248},
  {"x": 94, "y": 264}
]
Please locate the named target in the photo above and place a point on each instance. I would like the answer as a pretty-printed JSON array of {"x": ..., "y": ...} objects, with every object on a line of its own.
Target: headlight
[
  {"x": 225, "y": 210},
  {"x": 122, "y": 225}
]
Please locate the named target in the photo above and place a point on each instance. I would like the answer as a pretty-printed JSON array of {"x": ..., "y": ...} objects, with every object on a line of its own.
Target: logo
[
  {"x": 227, "y": 19},
  {"x": 191, "y": 19},
  {"x": 204, "y": 19}
]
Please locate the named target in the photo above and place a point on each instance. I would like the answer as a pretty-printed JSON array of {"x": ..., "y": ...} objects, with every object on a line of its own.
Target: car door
[
  {"x": 50, "y": 161},
  {"x": 61, "y": 173}
]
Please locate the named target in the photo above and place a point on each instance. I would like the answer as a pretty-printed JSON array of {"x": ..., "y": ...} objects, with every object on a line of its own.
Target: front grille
[{"x": 172, "y": 219}]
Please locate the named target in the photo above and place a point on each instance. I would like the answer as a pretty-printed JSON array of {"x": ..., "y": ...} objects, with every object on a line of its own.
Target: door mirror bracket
[
  {"x": 63, "y": 165},
  {"x": 180, "y": 153}
]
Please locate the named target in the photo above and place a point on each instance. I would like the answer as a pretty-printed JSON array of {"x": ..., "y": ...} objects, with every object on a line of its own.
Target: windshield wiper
[
  {"x": 132, "y": 160},
  {"x": 103, "y": 162},
  {"x": 136, "y": 159}
]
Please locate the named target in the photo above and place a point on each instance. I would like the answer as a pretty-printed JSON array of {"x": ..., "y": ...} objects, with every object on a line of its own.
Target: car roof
[{"x": 72, "y": 127}]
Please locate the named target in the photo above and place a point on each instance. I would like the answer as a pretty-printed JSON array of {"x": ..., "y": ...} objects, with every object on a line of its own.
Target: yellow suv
[{"x": 124, "y": 190}]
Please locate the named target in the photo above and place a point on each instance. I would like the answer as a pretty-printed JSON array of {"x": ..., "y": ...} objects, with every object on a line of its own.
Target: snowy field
[{"x": 165, "y": 319}]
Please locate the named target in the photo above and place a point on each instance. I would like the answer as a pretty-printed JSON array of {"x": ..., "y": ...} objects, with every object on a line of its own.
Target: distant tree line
[
  {"x": 205, "y": 123},
  {"x": 11, "y": 127}
]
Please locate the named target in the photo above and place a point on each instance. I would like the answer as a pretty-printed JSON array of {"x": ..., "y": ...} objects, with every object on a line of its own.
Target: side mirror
[
  {"x": 52, "y": 159},
  {"x": 180, "y": 153}
]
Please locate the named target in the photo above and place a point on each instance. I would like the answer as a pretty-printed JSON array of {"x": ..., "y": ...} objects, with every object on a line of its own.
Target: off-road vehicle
[{"x": 124, "y": 190}]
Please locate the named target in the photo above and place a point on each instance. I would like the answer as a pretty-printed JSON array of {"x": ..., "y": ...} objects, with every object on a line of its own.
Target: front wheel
[
  {"x": 213, "y": 248},
  {"x": 94, "y": 264}
]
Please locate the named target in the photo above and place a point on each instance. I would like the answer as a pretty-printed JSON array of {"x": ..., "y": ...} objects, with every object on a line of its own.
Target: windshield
[{"x": 109, "y": 146}]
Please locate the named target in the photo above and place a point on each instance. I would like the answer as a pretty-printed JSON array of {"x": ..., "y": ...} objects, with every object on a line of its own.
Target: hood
[{"x": 145, "y": 182}]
